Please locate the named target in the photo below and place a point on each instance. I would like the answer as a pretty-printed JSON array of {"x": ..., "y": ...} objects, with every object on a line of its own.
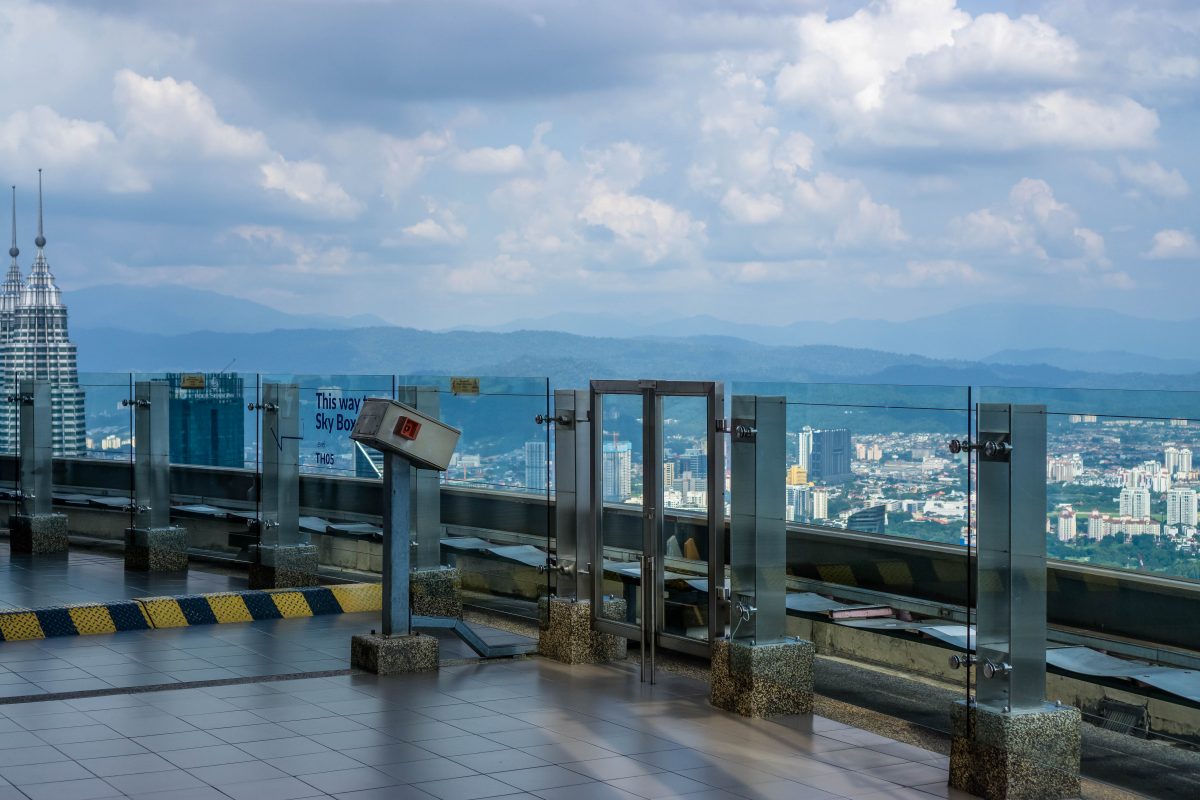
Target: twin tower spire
[{"x": 39, "y": 289}]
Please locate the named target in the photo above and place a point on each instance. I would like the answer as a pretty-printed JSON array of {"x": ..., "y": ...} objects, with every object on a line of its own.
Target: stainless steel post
[{"x": 397, "y": 495}]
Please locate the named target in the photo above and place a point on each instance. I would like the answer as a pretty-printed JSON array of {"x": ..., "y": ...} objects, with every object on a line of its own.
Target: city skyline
[{"x": 893, "y": 157}]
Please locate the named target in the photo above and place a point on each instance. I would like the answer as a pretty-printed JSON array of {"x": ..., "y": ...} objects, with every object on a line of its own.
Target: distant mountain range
[
  {"x": 974, "y": 332},
  {"x": 143, "y": 329},
  {"x": 175, "y": 309}
]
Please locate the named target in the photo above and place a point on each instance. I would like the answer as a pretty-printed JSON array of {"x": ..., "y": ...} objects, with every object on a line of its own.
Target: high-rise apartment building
[
  {"x": 618, "y": 471},
  {"x": 804, "y": 438},
  {"x": 1135, "y": 502},
  {"x": 1066, "y": 525},
  {"x": 830, "y": 456},
  {"x": 1181, "y": 507},
  {"x": 536, "y": 465},
  {"x": 1178, "y": 460},
  {"x": 35, "y": 345}
]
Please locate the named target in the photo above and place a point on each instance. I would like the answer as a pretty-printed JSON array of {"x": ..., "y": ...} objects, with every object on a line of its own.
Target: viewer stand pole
[{"x": 397, "y": 476}]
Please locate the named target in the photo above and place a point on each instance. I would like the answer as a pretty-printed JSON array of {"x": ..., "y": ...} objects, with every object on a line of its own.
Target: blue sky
[{"x": 448, "y": 163}]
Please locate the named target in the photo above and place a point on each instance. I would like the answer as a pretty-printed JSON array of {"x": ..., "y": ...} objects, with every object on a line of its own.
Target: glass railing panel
[
  {"x": 503, "y": 448},
  {"x": 1124, "y": 548},
  {"x": 879, "y": 520},
  {"x": 93, "y": 434}
]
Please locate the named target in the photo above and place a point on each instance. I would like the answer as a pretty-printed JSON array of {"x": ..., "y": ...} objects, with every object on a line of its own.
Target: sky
[{"x": 454, "y": 163}]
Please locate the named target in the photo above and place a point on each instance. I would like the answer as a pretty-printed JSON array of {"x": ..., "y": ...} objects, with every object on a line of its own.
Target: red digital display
[{"x": 407, "y": 428}]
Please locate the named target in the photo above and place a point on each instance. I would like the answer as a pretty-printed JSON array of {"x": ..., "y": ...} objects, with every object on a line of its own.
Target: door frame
[{"x": 653, "y": 515}]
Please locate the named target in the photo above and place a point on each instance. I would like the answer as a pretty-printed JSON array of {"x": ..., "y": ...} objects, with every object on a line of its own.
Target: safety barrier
[{"x": 145, "y": 613}]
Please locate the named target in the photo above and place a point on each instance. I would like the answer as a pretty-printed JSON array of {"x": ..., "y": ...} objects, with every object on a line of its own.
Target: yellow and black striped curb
[{"x": 145, "y": 613}]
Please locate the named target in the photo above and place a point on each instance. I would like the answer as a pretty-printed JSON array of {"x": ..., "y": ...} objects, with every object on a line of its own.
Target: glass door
[{"x": 659, "y": 506}]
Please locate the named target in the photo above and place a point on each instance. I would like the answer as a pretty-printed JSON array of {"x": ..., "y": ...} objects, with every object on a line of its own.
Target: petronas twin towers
[{"x": 34, "y": 344}]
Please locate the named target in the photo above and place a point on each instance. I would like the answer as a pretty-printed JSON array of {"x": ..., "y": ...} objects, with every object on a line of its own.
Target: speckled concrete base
[
  {"x": 393, "y": 655},
  {"x": 1027, "y": 755},
  {"x": 568, "y": 636},
  {"x": 764, "y": 680},
  {"x": 283, "y": 567},
  {"x": 436, "y": 592},
  {"x": 38, "y": 533},
  {"x": 156, "y": 549}
]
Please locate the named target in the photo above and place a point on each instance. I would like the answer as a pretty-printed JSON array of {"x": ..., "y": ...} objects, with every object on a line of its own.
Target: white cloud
[
  {"x": 491, "y": 160},
  {"x": 1154, "y": 178},
  {"x": 294, "y": 254},
  {"x": 1172, "y": 244},
  {"x": 857, "y": 219},
  {"x": 928, "y": 274},
  {"x": 175, "y": 118},
  {"x": 308, "y": 183},
  {"x": 588, "y": 209},
  {"x": 751, "y": 209},
  {"x": 1034, "y": 222},
  {"x": 502, "y": 275},
  {"x": 441, "y": 227},
  {"x": 406, "y": 160},
  {"x": 924, "y": 73}
]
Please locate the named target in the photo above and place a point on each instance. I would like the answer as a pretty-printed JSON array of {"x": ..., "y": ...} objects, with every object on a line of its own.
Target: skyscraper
[
  {"x": 830, "y": 456},
  {"x": 1067, "y": 530},
  {"x": 618, "y": 471},
  {"x": 35, "y": 345},
  {"x": 208, "y": 419},
  {"x": 535, "y": 465}
]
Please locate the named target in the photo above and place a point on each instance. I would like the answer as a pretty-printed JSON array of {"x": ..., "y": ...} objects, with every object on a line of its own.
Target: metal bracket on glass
[
  {"x": 747, "y": 432},
  {"x": 958, "y": 661},
  {"x": 135, "y": 403},
  {"x": 745, "y": 611},
  {"x": 23, "y": 399},
  {"x": 991, "y": 449},
  {"x": 723, "y": 426},
  {"x": 262, "y": 407},
  {"x": 565, "y": 419},
  {"x": 992, "y": 669}
]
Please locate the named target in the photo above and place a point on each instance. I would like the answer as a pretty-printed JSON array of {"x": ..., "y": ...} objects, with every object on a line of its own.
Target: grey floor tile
[
  {"x": 109, "y": 766},
  {"x": 16, "y": 739},
  {"x": 207, "y": 756},
  {"x": 194, "y": 793},
  {"x": 463, "y": 745},
  {"x": 532, "y": 737},
  {"x": 586, "y": 791},
  {"x": 898, "y": 793},
  {"x": 547, "y": 777},
  {"x": 278, "y": 748},
  {"x": 310, "y": 763},
  {"x": 571, "y": 750},
  {"x": 349, "y": 780},
  {"x": 177, "y": 741},
  {"x": 85, "y": 789},
  {"x": 38, "y": 754},
  {"x": 859, "y": 758},
  {"x": 432, "y": 769},
  {"x": 910, "y": 774},
  {"x": 676, "y": 760},
  {"x": 241, "y": 772},
  {"x": 400, "y": 752},
  {"x": 272, "y": 789},
  {"x": 605, "y": 769},
  {"x": 79, "y": 733},
  {"x": 101, "y": 748},
  {"x": 252, "y": 733},
  {"x": 729, "y": 776},
  {"x": 44, "y": 773},
  {"x": 170, "y": 783},
  {"x": 493, "y": 761},
  {"x": 659, "y": 784},
  {"x": 786, "y": 790},
  {"x": 222, "y": 719},
  {"x": 386, "y": 793},
  {"x": 848, "y": 783},
  {"x": 472, "y": 787},
  {"x": 906, "y": 751}
]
